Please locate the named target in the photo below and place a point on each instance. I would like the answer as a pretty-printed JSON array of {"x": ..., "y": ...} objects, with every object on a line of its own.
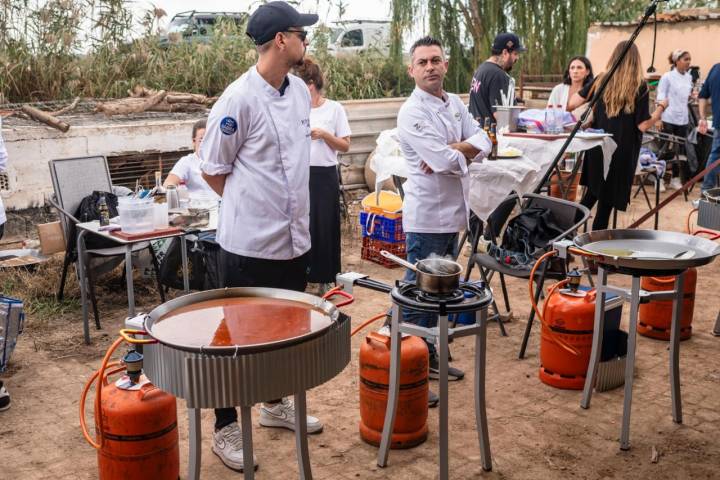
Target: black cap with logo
[
  {"x": 507, "y": 41},
  {"x": 274, "y": 17}
]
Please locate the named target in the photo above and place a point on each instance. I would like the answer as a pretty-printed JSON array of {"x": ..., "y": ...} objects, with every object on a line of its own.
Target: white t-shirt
[
  {"x": 187, "y": 169},
  {"x": 331, "y": 117},
  {"x": 676, "y": 87}
]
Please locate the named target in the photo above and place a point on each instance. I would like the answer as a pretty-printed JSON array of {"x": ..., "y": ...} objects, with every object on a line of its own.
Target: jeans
[
  {"x": 420, "y": 246},
  {"x": 240, "y": 271},
  {"x": 711, "y": 178}
]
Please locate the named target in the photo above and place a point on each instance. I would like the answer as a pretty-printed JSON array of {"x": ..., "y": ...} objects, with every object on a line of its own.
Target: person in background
[
  {"x": 187, "y": 169},
  {"x": 330, "y": 133},
  {"x": 256, "y": 156},
  {"x": 624, "y": 111},
  {"x": 676, "y": 86},
  {"x": 578, "y": 74},
  {"x": 438, "y": 139},
  {"x": 492, "y": 76},
  {"x": 4, "y": 395},
  {"x": 710, "y": 93}
]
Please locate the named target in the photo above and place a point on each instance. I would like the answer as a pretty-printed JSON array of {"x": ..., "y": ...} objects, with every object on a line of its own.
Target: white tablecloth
[{"x": 492, "y": 181}]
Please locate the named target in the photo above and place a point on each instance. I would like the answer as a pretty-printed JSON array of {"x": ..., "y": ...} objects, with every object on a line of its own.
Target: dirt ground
[{"x": 536, "y": 431}]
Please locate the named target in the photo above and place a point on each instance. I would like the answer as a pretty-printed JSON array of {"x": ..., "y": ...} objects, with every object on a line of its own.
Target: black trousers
[
  {"x": 667, "y": 151},
  {"x": 602, "y": 214},
  {"x": 2, "y": 230},
  {"x": 240, "y": 271}
]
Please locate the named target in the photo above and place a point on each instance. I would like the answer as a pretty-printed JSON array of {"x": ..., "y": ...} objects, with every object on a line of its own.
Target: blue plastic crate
[{"x": 382, "y": 228}]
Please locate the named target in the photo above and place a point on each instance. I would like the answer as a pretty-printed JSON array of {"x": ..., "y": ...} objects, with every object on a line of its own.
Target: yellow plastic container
[{"x": 385, "y": 203}]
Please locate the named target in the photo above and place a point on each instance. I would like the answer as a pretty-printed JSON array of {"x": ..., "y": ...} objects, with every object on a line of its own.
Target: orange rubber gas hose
[
  {"x": 98, "y": 392},
  {"x": 551, "y": 334},
  {"x": 368, "y": 322}
]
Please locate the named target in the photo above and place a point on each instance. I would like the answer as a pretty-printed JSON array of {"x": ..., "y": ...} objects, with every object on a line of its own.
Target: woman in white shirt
[
  {"x": 577, "y": 74},
  {"x": 330, "y": 133},
  {"x": 676, "y": 87},
  {"x": 187, "y": 169}
]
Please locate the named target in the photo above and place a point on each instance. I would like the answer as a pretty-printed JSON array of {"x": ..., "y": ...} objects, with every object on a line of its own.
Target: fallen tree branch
[
  {"x": 131, "y": 105},
  {"x": 45, "y": 117},
  {"x": 66, "y": 109}
]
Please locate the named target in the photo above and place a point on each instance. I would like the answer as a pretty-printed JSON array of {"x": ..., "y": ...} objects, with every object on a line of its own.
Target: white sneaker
[
  {"x": 4, "y": 398},
  {"x": 675, "y": 184},
  {"x": 283, "y": 415},
  {"x": 228, "y": 445},
  {"x": 662, "y": 186}
]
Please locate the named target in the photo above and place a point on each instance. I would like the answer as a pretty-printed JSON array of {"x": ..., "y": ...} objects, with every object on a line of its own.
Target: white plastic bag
[{"x": 388, "y": 159}]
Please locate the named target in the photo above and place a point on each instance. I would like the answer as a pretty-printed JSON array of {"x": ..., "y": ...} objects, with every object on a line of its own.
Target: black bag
[
  {"x": 87, "y": 211},
  {"x": 527, "y": 232},
  {"x": 171, "y": 266}
]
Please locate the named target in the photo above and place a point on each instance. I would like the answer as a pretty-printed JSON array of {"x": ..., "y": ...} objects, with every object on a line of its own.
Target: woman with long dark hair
[
  {"x": 676, "y": 86},
  {"x": 578, "y": 74},
  {"x": 330, "y": 134},
  {"x": 624, "y": 111}
]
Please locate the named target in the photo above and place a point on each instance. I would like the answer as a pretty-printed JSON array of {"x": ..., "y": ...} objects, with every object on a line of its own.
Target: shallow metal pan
[
  {"x": 647, "y": 249},
  {"x": 328, "y": 308}
]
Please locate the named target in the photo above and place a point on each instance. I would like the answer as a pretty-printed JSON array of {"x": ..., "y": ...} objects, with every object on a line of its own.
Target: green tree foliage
[{"x": 553, "y": 30}]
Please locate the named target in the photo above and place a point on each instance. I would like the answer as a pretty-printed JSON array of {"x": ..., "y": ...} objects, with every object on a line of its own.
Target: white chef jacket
[
  {"x": 261, "y": 139},
  {"x": 3, "y": 167},
  {"x": 676, "y": 87},
  {"x": 437, "y": 202}
]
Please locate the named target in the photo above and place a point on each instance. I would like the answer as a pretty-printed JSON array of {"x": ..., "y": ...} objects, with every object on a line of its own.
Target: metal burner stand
[
  {"x": 440, "y": 334},
  {"x": 636, "y": 296}
]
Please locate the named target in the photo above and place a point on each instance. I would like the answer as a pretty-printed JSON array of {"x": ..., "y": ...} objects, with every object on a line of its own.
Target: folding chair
[
  {"x": 569, "y": 216},
  {"x": 74, "y": 179}
]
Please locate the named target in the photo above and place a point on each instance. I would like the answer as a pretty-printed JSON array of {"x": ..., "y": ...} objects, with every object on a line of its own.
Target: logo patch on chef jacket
[{"x": 228, "y": 125}]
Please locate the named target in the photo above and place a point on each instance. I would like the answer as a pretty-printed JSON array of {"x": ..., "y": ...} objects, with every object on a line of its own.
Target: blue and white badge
[{"x": 228, "y": 125}]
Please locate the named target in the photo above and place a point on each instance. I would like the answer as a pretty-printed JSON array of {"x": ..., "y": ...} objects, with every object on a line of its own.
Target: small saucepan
[{"x": 437, "y": 276}]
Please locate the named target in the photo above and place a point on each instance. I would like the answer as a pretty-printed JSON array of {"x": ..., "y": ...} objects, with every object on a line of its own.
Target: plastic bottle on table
[
  {"x": 559, "y": 119},
  {"x": 550, "y": 119},
  {"x": 183, "y": 193}
]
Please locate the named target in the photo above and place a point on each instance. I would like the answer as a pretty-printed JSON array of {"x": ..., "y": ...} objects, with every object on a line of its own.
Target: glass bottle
[{"x": 104, "y": 212}]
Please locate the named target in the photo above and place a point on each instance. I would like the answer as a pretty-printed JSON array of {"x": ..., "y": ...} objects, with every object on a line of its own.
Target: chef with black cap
[
  {"x": 492, "y": 76},
  {"x": 256, "y": 155}
]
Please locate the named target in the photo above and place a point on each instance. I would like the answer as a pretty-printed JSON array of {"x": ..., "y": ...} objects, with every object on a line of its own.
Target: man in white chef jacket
[
  {"x": 256, "y": 155},
  {"x": 438, "y": 138}
]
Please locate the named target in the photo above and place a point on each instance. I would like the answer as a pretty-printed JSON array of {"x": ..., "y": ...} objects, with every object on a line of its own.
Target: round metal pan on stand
[
  {"x": 641, "y": 253},
  {"x": 647, "y": 252},
  {"x": 234, "y": 347}
]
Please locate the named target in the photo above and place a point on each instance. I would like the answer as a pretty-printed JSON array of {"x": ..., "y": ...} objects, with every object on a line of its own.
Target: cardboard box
[{"x": 51, "y": 237}]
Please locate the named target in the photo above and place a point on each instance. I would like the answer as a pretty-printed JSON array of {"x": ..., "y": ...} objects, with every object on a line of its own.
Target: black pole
[{"x": 599, "y": 92}]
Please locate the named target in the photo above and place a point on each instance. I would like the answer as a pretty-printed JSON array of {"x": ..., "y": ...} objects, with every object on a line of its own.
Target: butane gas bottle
[
  {"x": 410, "y": 427},
  {"x": 568, "y": 320},
  {"x": 655, "y": 316},
  {"x": 136, "y": 429}
]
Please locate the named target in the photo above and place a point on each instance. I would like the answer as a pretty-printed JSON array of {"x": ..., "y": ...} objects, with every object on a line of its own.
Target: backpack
[
  {"x": 171, "y": 265},
  {"x": 87, "y": 211},
  {"x": 525, "y": 234}
]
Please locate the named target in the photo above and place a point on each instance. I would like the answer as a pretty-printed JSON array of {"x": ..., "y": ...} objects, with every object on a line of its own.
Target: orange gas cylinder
[
  {"x": 656, "y": 315},
  {"x": 136, "y": 429},
  {"x": 566, "y": 338},
  {"x": 410, "y": 427}
]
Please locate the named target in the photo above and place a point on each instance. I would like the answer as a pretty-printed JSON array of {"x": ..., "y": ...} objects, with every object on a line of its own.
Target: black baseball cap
[
  {"x": 274, "y": 17},
  {"x": 507, "y": 41}
]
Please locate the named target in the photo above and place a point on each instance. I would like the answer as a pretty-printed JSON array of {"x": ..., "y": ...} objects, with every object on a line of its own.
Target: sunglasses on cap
[{"x": 302, "y": 34}]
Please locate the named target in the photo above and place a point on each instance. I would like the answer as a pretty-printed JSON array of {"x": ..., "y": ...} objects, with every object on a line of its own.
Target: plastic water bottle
[
  {"x": 559, "y": 119},
  {"x": 550, "y": 119}
]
